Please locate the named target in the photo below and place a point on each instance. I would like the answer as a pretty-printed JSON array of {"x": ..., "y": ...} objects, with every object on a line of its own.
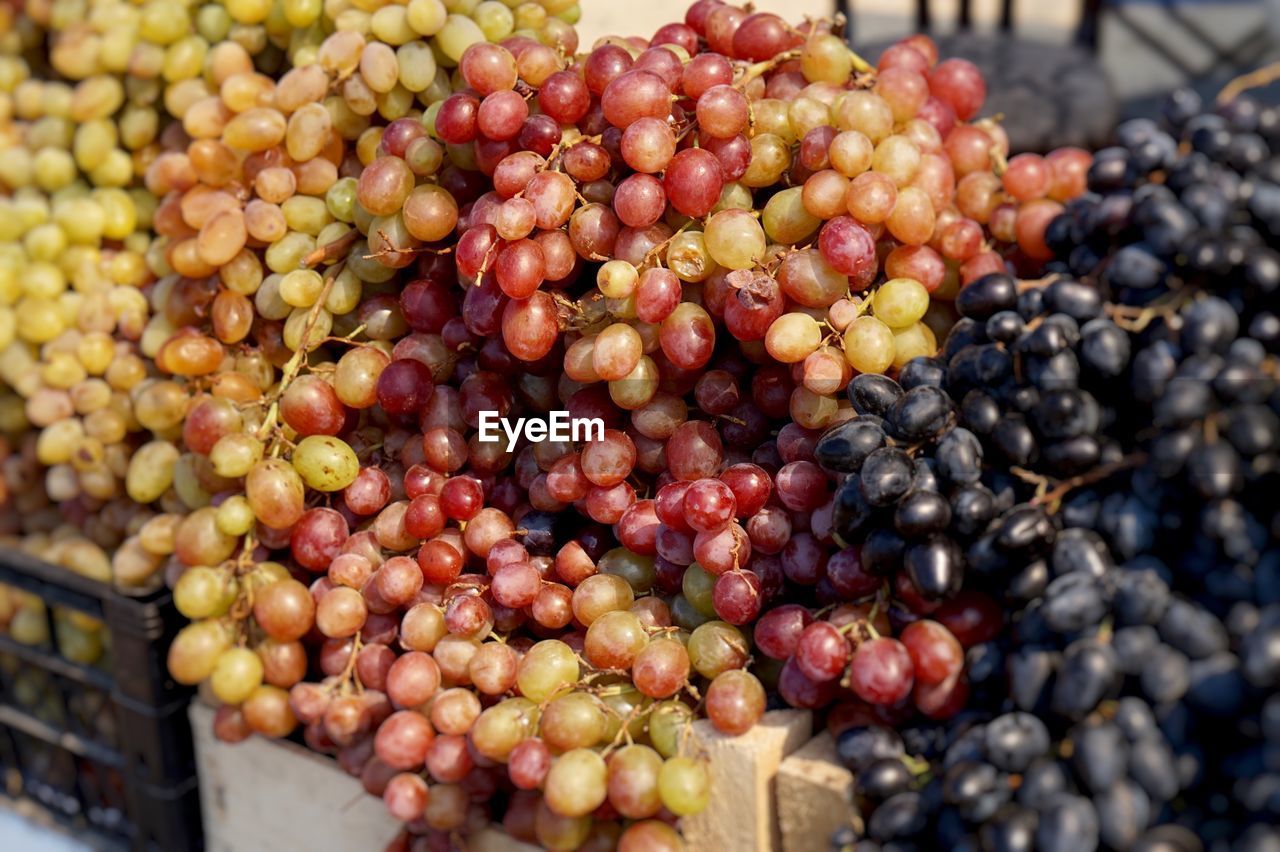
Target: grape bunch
[
  {"x": 254, "y": 364},
  {"x": 1132, "y": 701}
]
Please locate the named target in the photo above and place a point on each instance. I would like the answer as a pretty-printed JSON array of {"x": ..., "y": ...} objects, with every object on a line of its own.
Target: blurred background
[{"x": 1081, "y": 63}]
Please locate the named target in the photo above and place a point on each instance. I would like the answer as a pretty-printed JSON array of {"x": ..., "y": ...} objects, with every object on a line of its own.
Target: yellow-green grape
[
  {"x": 793, "y": 337},
  {"x": 30, "y": 626},
  {"x": 546, "y": 668},
  {"x": 236, "y": 674},
  {"x": 286, "y": 254},
  {"x": 233, "y": 456},
  {"x": 194, "y": 652},
  {"x": 203, "y": 592},
  {"x": 900, "y": 302},
  {"x": 151, "y": 471},
  {"x": 915, "y": 341},
  {"x": 302, "y": 322},
  {"x": 770, "y": 158},
  {"x": 617, "y": 279},
  {"x": 302, "y": 13},
  {"x": 495, "y": 20},
  {"x": 503, "y": 726},
  {"x": 77, "y": 644},
  {"x": 734, "y": 196},
  {"x": 427, "y": 17},
  {"x": 325, "y": 463},
  {"x": 248, "y": 11},
  {"x": 688, "y": 258},
  {"x": 684, "y": 785},
  {"x": 235, "y": 516},
  {"x": 576, "y": 784},
  {"x": 806, "y": 114},
  {"x": 826, "y": 58},
  {"x": 785, "y": 218},
  {"x": 868, "y": 345},
  {"x": 457, "y": 34},
  {"x": 735, "y": 239},
  {"x": 301, "y": 288}
]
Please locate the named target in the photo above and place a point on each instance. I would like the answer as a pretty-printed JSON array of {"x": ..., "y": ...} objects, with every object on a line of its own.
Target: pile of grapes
[
  {"x": 1130, "y": 429},
  {"x": 264, "y": 266}
]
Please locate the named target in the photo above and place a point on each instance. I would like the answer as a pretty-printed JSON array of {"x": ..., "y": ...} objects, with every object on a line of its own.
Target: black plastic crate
[{"x": 92, "y": 728}]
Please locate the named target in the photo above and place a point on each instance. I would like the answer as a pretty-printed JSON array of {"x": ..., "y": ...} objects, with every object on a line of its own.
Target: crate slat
[
  {"x": 815, "y": 795},
  {"x": 742, "y": 816},
  {"x": 270, "y": 796}
]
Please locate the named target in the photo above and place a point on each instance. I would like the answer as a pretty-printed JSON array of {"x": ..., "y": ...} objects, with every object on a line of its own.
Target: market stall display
[{"x": 964, "y": 450}]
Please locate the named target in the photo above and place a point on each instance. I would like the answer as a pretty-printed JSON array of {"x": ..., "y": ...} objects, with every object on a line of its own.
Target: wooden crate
[
  {"x": 743, "y": 815},
  {"x": 271, "y": 796},
  {"x": 815, "y": 795}
]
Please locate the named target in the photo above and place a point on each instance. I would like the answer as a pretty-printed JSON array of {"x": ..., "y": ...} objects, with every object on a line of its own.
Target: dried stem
[
  {"x": 1054, "y": 495},
  {"x": 331, "y": 251},
  {"x": 1259, "y": 77}
]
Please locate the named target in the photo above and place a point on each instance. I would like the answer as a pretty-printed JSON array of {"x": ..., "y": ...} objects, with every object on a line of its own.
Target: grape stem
[
  {"x": 1037, "y": 283},
  {"x": 1258, "y": 77},
  {"x": 759, "y": 69},
  {"x": 332, "y": 250},
  {"x": 291, "y": 368},
  {"x": 1054, "y": 496},
  {"x": 349, "y": 676},
  {"x": 1135, "y": 319},
  {"x": 624, "y": 732},
  {"x": 652, "y": 254}
]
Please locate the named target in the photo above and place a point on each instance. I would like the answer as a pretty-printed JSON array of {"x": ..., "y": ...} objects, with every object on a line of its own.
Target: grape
[
  {"x": 632, "y": 781},
  {"x": 614, "y": 640},
  {"x": 881, "y": 671},
  {"x": 661, "y": 668},
  {"x": 573, "y": 720},
  {"x": 869, "y": 345},
  {"x": 693, "y": 181},
  {"x": 545, "y": 668},
  {"x": 576, "y": 784},
  {"x": 339, "y": 256},
  {"x": 406, "y": 796},
  {"x": 683, "y": 786},
  {"x": 935, "y": 653},
  {"x": 717, "y": 647},
  {"x": 284, "y": 609},
  {"x": 403, "y": 740},
  {"x": 735, "y": 702}
]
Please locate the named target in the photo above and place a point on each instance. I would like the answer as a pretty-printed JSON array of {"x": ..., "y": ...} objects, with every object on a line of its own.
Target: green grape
[
  {"x": 202, "y": 592},
  {"x": 577, "y": 783},
  {"x": 735, "y": 239},
  {"x": 900, "y": 302},
  {"x": 668, "y": 722},
  {"x": 697, "y": 586},
  {"x": 573, "y": 720},
  {"x": 637, "y": 570},
  {"x": 716, "y": 647},
  {"x": 237, "y": 673},
  {"x": 868, "y": 345},
  {"x": 546, "y": 668},
  {"x": 325, "y": 463},
  {"x": 503, "y": 726},
  {"x": 684, "y": 786}
]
